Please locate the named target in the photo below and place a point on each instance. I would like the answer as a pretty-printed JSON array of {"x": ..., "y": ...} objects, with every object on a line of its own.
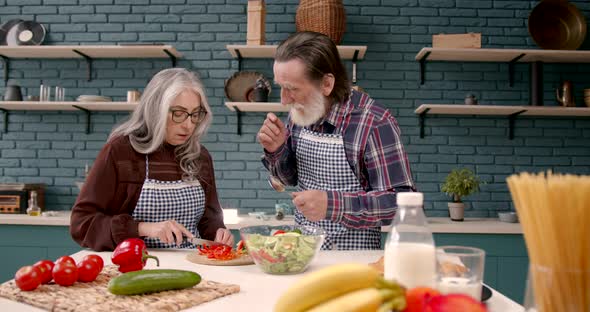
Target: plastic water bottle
[{"x": 410, "y": 256}]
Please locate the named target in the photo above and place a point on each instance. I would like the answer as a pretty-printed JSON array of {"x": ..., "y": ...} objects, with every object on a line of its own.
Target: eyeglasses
[{"x": 179, "y": 116}]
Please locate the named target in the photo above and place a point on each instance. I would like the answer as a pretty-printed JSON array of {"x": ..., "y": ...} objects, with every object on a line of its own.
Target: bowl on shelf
[
  {"x": 557, "y": 25},
  {"x": 510, "y": 217},
  {"x": 285, "y": 249}
]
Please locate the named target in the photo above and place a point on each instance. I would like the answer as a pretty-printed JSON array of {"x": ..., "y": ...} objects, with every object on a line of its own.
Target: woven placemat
[{"x": 94, "y": 296}]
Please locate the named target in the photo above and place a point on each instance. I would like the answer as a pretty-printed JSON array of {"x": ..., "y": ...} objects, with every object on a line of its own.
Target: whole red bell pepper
[{"x": 131, "y": 255}]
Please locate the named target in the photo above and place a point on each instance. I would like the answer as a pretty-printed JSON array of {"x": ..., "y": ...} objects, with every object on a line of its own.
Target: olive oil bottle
[{"x": 34, "y": 209}]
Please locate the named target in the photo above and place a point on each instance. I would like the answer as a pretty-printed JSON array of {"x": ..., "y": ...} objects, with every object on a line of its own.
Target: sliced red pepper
[{"x": 277, "y": 232}]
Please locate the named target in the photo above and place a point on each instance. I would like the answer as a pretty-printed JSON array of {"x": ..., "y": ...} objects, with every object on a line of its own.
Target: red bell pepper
[{"x": 131, "y": 255}]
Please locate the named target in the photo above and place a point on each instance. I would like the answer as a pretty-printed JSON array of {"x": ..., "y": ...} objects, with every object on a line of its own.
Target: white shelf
[
  {"x": 111, "y": 51},
  {"x": 499, "y": 110},
  {"x": 67, "y": 106},
  {"x": 503, "y": 55},
  {"x": 268, "y": 51},
  {"x": 256, "y": 107}
]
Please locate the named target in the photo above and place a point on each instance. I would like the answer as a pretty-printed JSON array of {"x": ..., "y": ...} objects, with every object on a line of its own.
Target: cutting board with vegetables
[
  {"x": 94, "y": 296},
  {"x": 197, "y": 258}
]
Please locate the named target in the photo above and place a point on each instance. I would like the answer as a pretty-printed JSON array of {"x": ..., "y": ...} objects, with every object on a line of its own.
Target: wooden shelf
[
  {"x": 256, "y": 107},
  {"x": 503, "y": 55},
  {"x": 86, "y": 107},
  {"x": 268, "y": 51},
  {"x": 498, "y": 110},
  {"x": 68, "y": 51},
  {"x": 67, "y": 106},
  {"x": 501, "y": 110},
  {"x": 87, "y": 53}
]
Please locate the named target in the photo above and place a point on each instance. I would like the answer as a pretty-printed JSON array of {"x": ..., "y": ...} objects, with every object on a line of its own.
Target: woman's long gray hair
[{"x": 146, "y": 127}]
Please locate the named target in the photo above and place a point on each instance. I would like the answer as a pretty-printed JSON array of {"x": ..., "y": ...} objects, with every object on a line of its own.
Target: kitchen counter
[
  {"x": 437, "y": 225},
  {"x": 259, "y": 291}
]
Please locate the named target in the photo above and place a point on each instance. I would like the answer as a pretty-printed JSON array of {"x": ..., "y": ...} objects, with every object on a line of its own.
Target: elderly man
[{"x": 339, "y": 147}]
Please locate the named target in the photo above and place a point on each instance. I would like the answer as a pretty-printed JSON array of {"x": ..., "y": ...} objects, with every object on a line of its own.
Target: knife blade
[{"x": 204, "y": 242}]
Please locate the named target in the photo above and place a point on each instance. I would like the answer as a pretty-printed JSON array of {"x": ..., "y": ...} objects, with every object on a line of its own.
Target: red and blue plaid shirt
[{"x": 374, "y": 151}]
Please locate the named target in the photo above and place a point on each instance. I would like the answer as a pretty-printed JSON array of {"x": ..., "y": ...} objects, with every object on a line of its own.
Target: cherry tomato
[
  {"x": 97, "y": 259},
  {"x": 46, "y": 268},
  {"x": 65, "y": 259},
  {"x": 28, "y": 278},
  {"x": 87, "y": 271},
  {"x": 65, "y": 274}
]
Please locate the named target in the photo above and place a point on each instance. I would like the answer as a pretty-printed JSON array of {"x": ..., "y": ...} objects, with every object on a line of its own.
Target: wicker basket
[{"x": 324, "y": 16}]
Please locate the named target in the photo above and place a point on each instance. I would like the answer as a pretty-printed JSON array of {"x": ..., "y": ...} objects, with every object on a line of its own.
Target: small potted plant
[{"x": 459, "y": 183}]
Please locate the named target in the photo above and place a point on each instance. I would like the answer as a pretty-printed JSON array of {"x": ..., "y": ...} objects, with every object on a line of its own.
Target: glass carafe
[{"x": 410, "y": 256}]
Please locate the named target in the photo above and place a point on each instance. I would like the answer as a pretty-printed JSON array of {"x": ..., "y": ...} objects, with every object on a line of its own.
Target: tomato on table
[
  {"x": 88, "y": 270},
  {"x": 28, "y": 278},
  {"x": 95, "y": 258},
  {"x": 65, "y": 273},
  {"x": 65, "y": 259},
  {"x": 46, "y": 268}
]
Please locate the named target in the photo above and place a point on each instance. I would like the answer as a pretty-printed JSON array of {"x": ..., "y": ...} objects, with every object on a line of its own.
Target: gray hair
[{"x": 146, "y": 127}]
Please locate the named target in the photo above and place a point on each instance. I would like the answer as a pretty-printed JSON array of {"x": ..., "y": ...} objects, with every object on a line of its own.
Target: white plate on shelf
[{"x": 93, "y": 98}]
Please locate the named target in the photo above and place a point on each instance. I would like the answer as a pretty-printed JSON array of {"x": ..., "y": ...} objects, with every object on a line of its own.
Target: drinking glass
[{"x": 460, "y": 270}]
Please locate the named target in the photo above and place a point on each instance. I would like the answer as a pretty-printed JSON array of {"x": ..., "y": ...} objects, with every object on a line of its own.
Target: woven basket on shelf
[{"x": 324, "y": 16}]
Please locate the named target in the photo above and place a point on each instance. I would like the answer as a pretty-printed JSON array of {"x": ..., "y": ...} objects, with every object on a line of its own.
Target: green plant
[{"x": 459, "y": 183}]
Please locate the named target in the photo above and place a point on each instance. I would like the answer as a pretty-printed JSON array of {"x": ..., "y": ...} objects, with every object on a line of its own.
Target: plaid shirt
[{"x": 375, "y": 154}]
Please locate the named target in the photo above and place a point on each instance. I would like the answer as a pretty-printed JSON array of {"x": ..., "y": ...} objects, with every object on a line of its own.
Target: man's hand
[
  {"x": 168, "y": 231},
  {"x": 272, "y": 134},
  {"x": 313, "y": 204},
  {"x": 224, "y": 236}
]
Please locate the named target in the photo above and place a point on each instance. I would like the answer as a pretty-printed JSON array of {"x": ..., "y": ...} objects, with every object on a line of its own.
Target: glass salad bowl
[{"x": 285, "y": 249}]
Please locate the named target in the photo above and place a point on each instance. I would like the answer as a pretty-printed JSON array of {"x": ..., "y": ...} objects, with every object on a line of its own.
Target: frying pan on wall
[{"x": 557, "y": 25}]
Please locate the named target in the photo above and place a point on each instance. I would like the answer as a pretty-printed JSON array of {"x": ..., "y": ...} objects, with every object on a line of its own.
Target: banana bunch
[{"x": 342, "y": 288}]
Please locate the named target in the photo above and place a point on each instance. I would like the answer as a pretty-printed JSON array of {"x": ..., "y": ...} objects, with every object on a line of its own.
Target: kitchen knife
[{"x": 204, "y": 242}]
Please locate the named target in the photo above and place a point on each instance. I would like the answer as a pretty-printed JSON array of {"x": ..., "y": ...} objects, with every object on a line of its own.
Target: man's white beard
[{"x": 308, "y": 114}]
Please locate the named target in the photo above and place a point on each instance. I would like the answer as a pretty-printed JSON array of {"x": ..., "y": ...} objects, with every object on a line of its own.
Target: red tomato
[
  {"x": 28, "y": 278},
  {"x": 97, "y": 259},
  {"x": 88, "y": 271},
  {"x": 65, "y": 259},
  {"x": 46, "y": 268},
  {"x": 65, "y": 274}
]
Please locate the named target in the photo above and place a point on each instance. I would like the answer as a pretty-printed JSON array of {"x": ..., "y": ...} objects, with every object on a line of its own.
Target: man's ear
[{"x": 328, "y": 84}]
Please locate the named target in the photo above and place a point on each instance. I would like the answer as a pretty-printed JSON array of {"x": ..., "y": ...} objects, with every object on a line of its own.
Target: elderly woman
[{"x": 153, "y": 179}]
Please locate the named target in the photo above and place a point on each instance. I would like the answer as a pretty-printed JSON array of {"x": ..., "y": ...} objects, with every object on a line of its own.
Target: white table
[{"x": 259, "y": 291}]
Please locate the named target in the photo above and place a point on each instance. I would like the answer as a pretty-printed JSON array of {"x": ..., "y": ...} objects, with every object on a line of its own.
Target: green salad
[{"x": 284, "y": 252}]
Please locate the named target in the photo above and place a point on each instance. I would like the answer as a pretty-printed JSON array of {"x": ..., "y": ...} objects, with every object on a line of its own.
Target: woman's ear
[{"x": 328, "y": 84}]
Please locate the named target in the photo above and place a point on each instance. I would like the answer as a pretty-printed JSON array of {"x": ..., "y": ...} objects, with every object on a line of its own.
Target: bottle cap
[{"x": 410, "y": 199}]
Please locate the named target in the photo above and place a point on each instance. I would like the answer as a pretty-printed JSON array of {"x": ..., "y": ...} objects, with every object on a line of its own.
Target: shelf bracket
[
  {"x": 423, "y": 67},
  {"x": 5, "y": 117},
  {"x": 511, "y": 119},
  {"x": 88, "y": 63},
  {"x": 87, "y": 117},
  {"x": 239, "y": 59},
  {"x": 422, "y": 117},
  {"x": 5, "y": 64},
  {"x": 239, "y": 115},
  {"x": 511, "y": 69},
  {"x": 171, "y": 56},
  {"x": 354, "y": 60}
]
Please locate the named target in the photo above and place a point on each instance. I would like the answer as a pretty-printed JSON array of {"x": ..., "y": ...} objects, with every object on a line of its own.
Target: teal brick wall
[{"x": 52, "y": 147}]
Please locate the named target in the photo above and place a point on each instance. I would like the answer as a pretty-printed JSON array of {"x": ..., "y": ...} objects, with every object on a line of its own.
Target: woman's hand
[
  {"x": 168, "y": 231},
  {"x": 224, "y": 236}
]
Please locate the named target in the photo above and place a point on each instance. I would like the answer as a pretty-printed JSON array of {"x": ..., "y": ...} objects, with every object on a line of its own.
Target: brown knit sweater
[{"x": 101, "y": 217}]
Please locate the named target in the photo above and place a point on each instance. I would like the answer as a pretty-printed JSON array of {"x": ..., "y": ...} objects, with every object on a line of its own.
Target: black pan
[{"x": 557, "y": 25}]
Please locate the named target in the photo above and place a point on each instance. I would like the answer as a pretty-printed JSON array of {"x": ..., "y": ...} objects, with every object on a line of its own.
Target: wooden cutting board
[
  {"x": 195, "y": 257},
  {"x": 94, "y": 296}
]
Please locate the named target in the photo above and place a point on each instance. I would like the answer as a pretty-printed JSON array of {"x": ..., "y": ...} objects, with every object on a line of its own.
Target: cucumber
[{"x": 149, "y": 281}]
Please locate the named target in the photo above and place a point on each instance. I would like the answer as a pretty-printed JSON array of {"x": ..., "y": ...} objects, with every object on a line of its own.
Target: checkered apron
[
  {"x": 322, "y": 165},
  {"x": 170, "y": 200}
]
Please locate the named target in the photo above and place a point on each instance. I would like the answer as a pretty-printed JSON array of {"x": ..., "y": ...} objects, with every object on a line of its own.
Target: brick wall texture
[{"x": 52, "y": 147}]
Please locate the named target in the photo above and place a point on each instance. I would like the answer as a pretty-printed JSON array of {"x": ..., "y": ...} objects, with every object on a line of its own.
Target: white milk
[
  {"x": 459, "y": 285},
  {"x": 411, "y": 264}
]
